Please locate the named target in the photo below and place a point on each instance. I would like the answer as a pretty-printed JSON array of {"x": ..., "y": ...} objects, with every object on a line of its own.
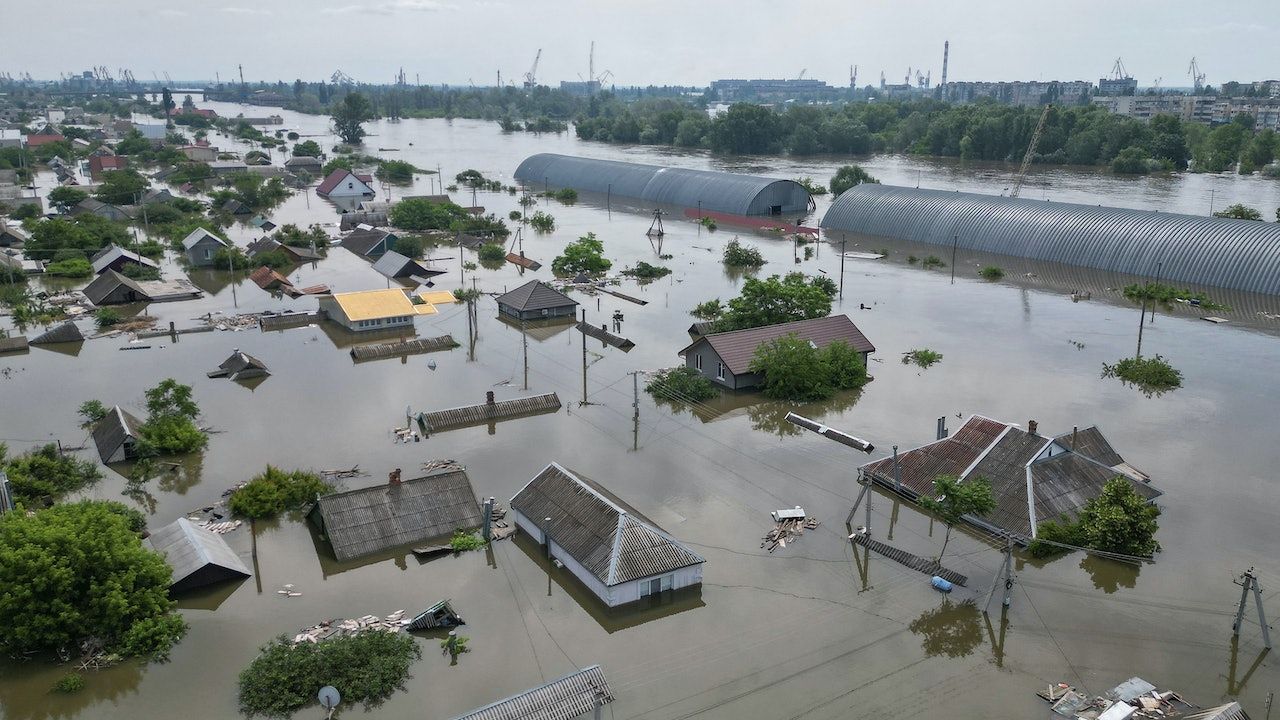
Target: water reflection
[
  {"x": 210, "y": 597},
  {"x": 31, "y": 696},
  {"x": 951, "y": 629},
  {"x": 1110, "y": 575}
]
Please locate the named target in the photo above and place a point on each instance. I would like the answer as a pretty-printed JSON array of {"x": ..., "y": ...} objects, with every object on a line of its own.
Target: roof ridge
[{"x": 611, "y": 577}]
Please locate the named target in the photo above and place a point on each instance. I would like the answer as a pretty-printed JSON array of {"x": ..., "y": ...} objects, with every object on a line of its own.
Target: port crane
[
  {"x": 1031, "y": 152},
  {"x": 1197, "y": 77},
  {"x": 531, "y": 77}
]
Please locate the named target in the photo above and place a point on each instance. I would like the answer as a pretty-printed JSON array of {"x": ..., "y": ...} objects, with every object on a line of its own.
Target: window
[
  {"x": 351, "y": 186},
  {"x": 697, "y": 361},
  {"x": 208, "y": 253},
  {"x": 656, "y": 585},
  {"x": 719, "y": 371}
]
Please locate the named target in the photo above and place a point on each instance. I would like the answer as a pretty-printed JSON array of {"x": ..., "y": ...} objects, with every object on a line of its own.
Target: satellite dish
[{"x": 329, "y": 698}]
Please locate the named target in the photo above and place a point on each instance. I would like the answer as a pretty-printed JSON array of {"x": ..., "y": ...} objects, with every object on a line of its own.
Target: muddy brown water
[{"x": 809, "y": 631}]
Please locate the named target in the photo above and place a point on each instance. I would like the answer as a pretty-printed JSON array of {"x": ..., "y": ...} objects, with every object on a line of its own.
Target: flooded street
[{"x": 809, "y": 631}]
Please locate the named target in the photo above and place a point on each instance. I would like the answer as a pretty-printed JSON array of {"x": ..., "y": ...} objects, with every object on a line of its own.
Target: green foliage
[
  {"x": 349, "y": 118},
  {"x": 170, "y": 428},
  {"x": 954, "y": 499},
  {"x": 307, "y": 148},
  {"x": 584, "y": 255},
  {"x": 932, "y": 261},
  {"x": 294, "y": 236},
  {"x": 121, "y": 187},
  {"x": 568, "y": 196},
  {"x": 776, "y": 300},
  {"x": 253, "y": 191},
  {"x": 420, "y": 214},
  {"x": 1166, "y": 294},
  {"x": 26, "y": 211},
  {"x": 850, "y": 176},
  {"x": 366, "y": 668},
  {"x": 232, "y": 258},
  {"x": 1153, "y": 375},
  {"x": 65, "y": 197},
  {"x": 542, "y": 222},
  {"x": 812, "y": 187},
  {"x": 1240, "y": 212},
  {"x": 106, "y": 317},
  {"x": 190, "y": 172},
  {"x": 991, "y": 272},
  {"x": 463, "y": 541},
  {"x": 645, "y": 271},
  {"x": 492, "y": 252},
  {"x": 410, "y": 246},
  {"x": 470, "y": 178},
  {"x": 92, "y": 411},
  {"x": 923, "y": 358},
  {"x": 79, "y": 570},
  {"x": 70, "y": 268},
  {"x": 708, "y": 310},
  {"x": 396, "y": 171},
  {"x": 84, "y": 233},
  {"x": 456, "y": 645},
  {"x": 794, "y": 370},
  {"x": 69, "y": 684},
  {"x": 1118, "y": 521},
  {"x": 742, "y": 256},
  {"x": 514, "y": 216},
  {"x": 275, "y": 491},
  {"x": 46, "y": 472},
  {"x": 1130, "y": 161},
  {"x": 681, "y": 384}
]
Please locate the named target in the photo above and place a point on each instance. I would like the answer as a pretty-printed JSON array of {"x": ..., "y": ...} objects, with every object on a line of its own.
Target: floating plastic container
[{"x": 940, "y": 585}]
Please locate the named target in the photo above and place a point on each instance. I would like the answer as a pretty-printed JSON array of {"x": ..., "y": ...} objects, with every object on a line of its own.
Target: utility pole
[
  {"x": 584, "y": 359},
  {"x": 955, "y": 242},
  {"x": 1159, "y": 266},
  {"x": 1249, "y": 581},
  {"x": 635, "y": 405},
  {"x": 524, "y": 341},
  {"x": 842, "y": 242},
  {"x": 1006, "y": 574},
  {"x": 1142, "y": 317}
]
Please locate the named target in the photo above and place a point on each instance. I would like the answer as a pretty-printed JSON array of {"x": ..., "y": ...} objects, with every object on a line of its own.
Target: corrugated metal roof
[
  {"x": 738, "y": 347},
  {"x": 721, "y": 191},
  {"x": 609, "y": 538},
  {"x": 189, "y": 549},
  {"x": 112, "y": 431},
  {"x": 1202, "y": 251},
  {"x": 362, "y": 242},
  {"x": 535, "y": 295},
  {"x": 1092, "y": 444},
  {"x": 106, "y": 283},
  {"x": 394, "y": 265},
  {"x": 1005, "y": 466},
  {"x": 372, "y": 304},
  {"x": 200, "y": 234},
  {"x": 949, "y": 456},
  {"x": 66, "y": 332},
  {"x": 1230, "y": 711},
  {"x": 1065, "y": 482},
  {"x": 369, "y": 520},
  {"x": 110, "y": 254},
  {"x": 571, "y": 696}
]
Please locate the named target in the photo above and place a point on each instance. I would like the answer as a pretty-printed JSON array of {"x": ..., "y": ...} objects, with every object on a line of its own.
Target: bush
[
  {"x": 743, "y": 256},
  {"x": 275, "y": 491},
  {"x": 991, "y": 272},
  {"x": 777, "y": 300},
  {"x": 1151, "y": 375},
  {"x": 542, "y": 222},
  {"x": 106, "y": 317},
  {"x": 568, "y": 196},
  {"x": 397, "y": 171},
  {"x": 708, "y": 223},
  {"x": 134, "y": 271},
  {"x": 1131, "y": 161},
  {"x": 849, "y": 176},
  {"x": 645, "y": 271},
  {"x": 420, "y": 214},
  {"x": 170, "y": 428},
  {"x": 46, "y": 472},
  {"x": 232, "y": 258},
  {"x": 366, "y": 668},
  {"x": 69, "y": 684},
  {"x": 470, "y": 178},
  {"x": 584, "y": 255},
  {"x": 70, "y": 268},
  {"x": 1166, "y": 294},
  {"x": 922, "y": 358},
  {"x": 514, "y": 216},
  {"x": 811, "y": 187},
  {"x": 932, "y": 261},
  {"x": 681, "y": 384},
  {"x": 463, "y": 541},
  {"x": 795, "y": 370},
  {"x": 1119, "y": 521}
]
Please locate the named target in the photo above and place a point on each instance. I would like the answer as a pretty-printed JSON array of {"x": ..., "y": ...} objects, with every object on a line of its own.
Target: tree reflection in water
[
  {"x": 951, "y": 629},
  {"x": 1110, "y": 575}
]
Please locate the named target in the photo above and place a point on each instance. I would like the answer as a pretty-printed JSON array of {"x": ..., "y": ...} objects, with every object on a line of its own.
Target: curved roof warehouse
[
  {"x": 1220, "y": 252},
  {"x": 718, "y": 191}
]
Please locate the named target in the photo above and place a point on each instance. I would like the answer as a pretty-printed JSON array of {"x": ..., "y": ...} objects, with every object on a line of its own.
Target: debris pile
[
  {"x": 450, "y": 465},
  {"x": 220, "y": 528},
  {"x": 1131, "y": 699},
  {"x": 393, "y": 623},
  {"x": 788, "y": 525}
]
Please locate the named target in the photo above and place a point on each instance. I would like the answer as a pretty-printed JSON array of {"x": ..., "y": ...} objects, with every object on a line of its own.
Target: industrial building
[
  {"x": 1194, "y": 250},
  {"x": 704, "y": 189}
]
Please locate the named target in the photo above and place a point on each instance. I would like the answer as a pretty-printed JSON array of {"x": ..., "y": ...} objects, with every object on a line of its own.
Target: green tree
[
  {"x": 349, "y": 117},
  {"x": 1131, "y": 161},
  {"x": 953, "y": 499},
  {"x": 1119, "y": 521},
  {"x": 421, "y": 214},
  {"x": 584, "y": 255},
  {"x": 848, "y": 176},
  {"x": 275, "y": 491},
  {"x": 709, "y": 310},
  {"x": 795, "y": 370},
  {"x": 65, "y": 197},
  {"x": 121, "y": 187},
  {"x": 742, "y": 256},
  {"x": 745, "y": 128},
  {"x": 776, "y": 300},
  {"x": 79, "y": 571},
  {"x": 170, "y": 428},
  {"x": 1239, "y": 212},
  {"x": 307, "y": 148},
  {"x": 46, "y": 472}
]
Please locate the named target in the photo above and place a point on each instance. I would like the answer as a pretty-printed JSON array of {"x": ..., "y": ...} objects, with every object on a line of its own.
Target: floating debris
[{"x": 788, "y": 526}]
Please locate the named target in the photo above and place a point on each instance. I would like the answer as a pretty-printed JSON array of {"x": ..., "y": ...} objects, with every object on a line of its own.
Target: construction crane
[
  {"x": 531, "y": 77},
  {"x": 1031, "y": 151},
  {"x": 1197, "y": 77},
  {"x": 1156, "y": 85},
  {"x": 801, "y": 75},
  {"x": 853, "y": 77},
  {"x": 1118, "y": 72}
]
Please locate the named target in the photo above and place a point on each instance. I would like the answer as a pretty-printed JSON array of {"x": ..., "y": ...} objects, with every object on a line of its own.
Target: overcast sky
[{"x": 689, "y": 42}]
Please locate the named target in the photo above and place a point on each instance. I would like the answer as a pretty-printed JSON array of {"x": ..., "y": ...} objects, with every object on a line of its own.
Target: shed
[
  {"x": 536, "y": 300},
  {"x": 618, "y": 553},
  {"x": 369, "y": 242},
  {"x": 269, "y": 244},
  {"x": 397, "y": 514},
  {"x": 369, "y": 309},
  {"x": 565, "y": 698},
  {"x": 262, "y": 223},
  {"x": 710, "y": 190},
  {"x": 346, "y": 184},
  {"x": 114, "y": 257},
  {"x": 197, "y": 556},
  {"x": 1033, "y": 478},
  {"x": 112, "y": 288},
  {"x": 303, "y": 162},
  {"x": 93, "y": 206},
  {"x": 240, "y": 366},
  {"x": 1191, "y": 249},
  {"x": 725, "y": 358},
  {"x": 394, "y": 265},
  {"x": 13, "y": 236},
  {"x": 66, "y": 332},
  {"x": 201, "y": 246},
  {"x": 116, "y": 436}
]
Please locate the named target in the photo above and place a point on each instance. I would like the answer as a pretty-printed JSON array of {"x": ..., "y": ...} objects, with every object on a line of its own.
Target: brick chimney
[
  {"x": 488, "y": 397},
  {"x": 393, "y": 477},
  {"x": 1032, "y": 426}
]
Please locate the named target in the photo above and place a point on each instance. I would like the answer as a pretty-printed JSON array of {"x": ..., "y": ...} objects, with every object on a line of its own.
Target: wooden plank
[
  {"x": 287, "y": 320},
  {"x": 915, "y": 562},
  {"x": 624, "y": 296}
]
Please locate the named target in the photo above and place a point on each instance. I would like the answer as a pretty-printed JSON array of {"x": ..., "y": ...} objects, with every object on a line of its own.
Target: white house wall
[{"x": 358, "y": 189}]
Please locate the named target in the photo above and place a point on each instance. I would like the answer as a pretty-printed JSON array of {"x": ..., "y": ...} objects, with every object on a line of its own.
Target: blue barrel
[{"x": 940, "y": 585}]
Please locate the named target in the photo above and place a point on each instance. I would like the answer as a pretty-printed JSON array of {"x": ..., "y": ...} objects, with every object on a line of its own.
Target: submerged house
[
  {"x": 93, "y": 206},
  {"x": 294, "y": 253},
  {"x": 370, "y": 309},
  {"x": 535, "y": 300},
  {"x": 396, "y": 515},
  {"x": 1033, "y": 478},
  {"x": 116, "y": 436},
  {"x": 342, "y": 183},
  {"x": 112, "y": 288},
  {"x": 619, "y": 554},
  {"x": 394, "y": 265},
  {"x": 240, "y": 366},
  {"x": 114, "y": 257},
  {"x": 725, "y": 358},
  {"x": 369, "y": 242},
  {"x": 197, "y": 556},
  {"x": 201, "y": 246}
]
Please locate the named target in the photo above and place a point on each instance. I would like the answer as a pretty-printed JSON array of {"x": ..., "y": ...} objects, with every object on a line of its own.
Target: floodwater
[{"x": 814, "y": 630}]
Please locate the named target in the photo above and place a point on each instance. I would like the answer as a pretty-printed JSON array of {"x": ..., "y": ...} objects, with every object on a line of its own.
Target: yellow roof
[
  {"x": 374, "y": 304},
  {"x": 438, "y": 297},
  {"x": 425, "y": 309}
]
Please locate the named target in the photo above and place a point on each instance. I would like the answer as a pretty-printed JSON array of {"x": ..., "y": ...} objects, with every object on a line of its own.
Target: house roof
[
  {"x": 15, "y": 234},
  {"x": 261, "y": 245},
  {"x": 268, "y": 279},
  {"x": 111, "y": 253},
  {"x": 240, "y": 365},
  {"x": 1230, "y": 711},
  {"x": 98, "y": 163},
  {"x": 1062, "y": 481},
  {"x": 189, "y": 549},
  {"x": 361, "y": 240},
  {"x": 302, "y": 161},
  {"x": 571, "y": 696},
  {"x": 1092, "y": 444},
  {"x": 609, "y": 538},
  {"x": 333, "y": 179},
  {"x": 736, "y": 348},
  {"x": 66, "y": 332},
  {"x": 373, "y": 304},
  {"x": 113, "y": 430},
  {"x": 106, "y": 283},
  {"x": 373, "y": 519},
  {"x": 198, "y": 235},
  {"x": 394, "y": 265},
  {"x": 93, "y": 205},
  {"x": 535, "y": 295}
]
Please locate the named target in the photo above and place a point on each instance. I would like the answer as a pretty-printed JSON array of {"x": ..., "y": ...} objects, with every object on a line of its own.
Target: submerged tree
[
  {"x": 848, "y": 176},
  {"x": 349, "y": 117},
  {"x": 953, "y": 499}
]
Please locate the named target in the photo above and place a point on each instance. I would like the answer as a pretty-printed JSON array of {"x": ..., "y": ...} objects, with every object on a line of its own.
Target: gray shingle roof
[
  {"x": 240, "y": 366},
  {"x": 1092, "y": 444},
  {"x": 113, "y": 430},
  {"x": 571, "y": 696},
  {"x": 110, "y": 254},
  {"x": 394, "y": 265},
  {"x": 198, "y": 235},
  {"x": 609, "y": 538},
  {"x": 361, "y": 242},
  {"x": 66, "y": 332},
  {"x": 535, "y": 295},
  {"x": 106, "y": 283},
  {"x": 738, "y": 347},
  {"x": 198, "y": 557},
  {"x": 369, "y": 520}
]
